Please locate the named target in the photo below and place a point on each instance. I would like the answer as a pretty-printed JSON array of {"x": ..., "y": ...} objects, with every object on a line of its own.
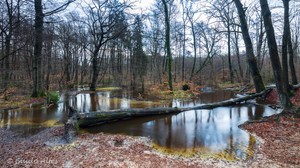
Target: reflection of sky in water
[
  {"x": 215, "y": 130},
  {"x": 209, "y": 128}
]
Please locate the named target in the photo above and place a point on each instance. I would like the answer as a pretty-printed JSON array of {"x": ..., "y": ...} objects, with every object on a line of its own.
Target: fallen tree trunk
[{"x": 95, "y": 118}]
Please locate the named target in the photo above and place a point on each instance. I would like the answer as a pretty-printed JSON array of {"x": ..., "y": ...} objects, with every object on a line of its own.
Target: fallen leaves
[{"x": 281, "y": 138}]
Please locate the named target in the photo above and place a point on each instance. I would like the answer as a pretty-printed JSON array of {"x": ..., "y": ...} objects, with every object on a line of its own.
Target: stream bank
[{"x": 107, "y": 150}]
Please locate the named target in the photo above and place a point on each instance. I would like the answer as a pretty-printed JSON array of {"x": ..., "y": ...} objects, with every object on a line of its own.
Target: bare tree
[
  {"x": 101, "y": 19},
  {"x": 251, "y": 60},
  {"x": 168, "y": 42},
  {"x": 287, "y": 48},
  {"x": 38, "y": 44},
  {"x": 222, "y": 10},
  {"x": 210, "y": 38},
  {"x": 274, "y": 56}
]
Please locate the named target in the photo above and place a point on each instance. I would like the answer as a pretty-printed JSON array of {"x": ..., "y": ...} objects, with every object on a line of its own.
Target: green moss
[{"x": 52, "y": 97}]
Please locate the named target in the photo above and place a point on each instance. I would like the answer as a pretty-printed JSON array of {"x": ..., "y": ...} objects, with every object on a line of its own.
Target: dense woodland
[{"x": 59, "y": 44}]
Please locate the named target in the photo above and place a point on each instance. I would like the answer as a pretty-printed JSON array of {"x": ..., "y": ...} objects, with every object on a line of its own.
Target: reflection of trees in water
[
  {"x": 94, "y": 101},
  {"x": 259, "y": 111},
  {"x": 257, "y": 114},
  {"x": 168, "y": 121},
  {"x": 251, "y": 146},
  {"x": 250, "y": 112},
  {"x": 216, "y": 96}
]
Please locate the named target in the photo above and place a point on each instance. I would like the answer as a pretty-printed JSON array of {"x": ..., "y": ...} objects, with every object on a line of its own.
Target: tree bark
[
  {"x": 251, "y": 60},
  {"x": 229, "y": 53},
  {"x": 168, "y": 45},
  {"x": 260, "y": 45},
  {"x": 38, "y": 44},
  {"x": 6, "y": 76},
  {"x": 95, "y": 69},
  {"x": 94, "y": 118},
  {"x": 291, "y": 62},
  {"x": 273, "y": 51},
  {"x": 241, "y": 73},
  {"x": 285, "y": 72},
  {"x": 289, "y": 42}
]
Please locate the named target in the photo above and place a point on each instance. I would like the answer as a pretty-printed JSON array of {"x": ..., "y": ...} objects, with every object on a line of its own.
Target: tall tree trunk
[
  {"x": 38, "y": 44},
  {"x": 95, "y": 69},
  {"x": 259, "y": 45},
  {"x": 273, "y": 51},
  {"x": 291, "y": 62},
  {"x": 194, "y": 47},
  {"x": 6, "y": 76},
  {"x": 183, "y": 54},
  {"x": 258, "y": 82},
  {"x": 184, "y": 42},
  {"x": 229, "y": 53},
  {"x": 49, "y": 63},
  {"x": 168, "y": 45},
  {"x": 241, "y": 73},
  {"x": 285, "y": 71},
  {"x": 229, "y": 47},
  {"x": 289, "y": 42}
]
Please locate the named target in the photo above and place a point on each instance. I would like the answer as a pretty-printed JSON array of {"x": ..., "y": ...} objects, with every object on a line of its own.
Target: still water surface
[{"x": 197, "y": 132}]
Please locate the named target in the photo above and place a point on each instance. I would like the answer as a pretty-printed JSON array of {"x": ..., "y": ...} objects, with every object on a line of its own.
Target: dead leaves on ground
[{"x": 281, "y": 138}]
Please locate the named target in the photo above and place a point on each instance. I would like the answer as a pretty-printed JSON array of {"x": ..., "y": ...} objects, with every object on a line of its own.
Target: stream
[{"x": 203, "y": 133}]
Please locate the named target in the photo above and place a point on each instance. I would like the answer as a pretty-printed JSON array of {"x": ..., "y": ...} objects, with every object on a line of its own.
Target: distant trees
[
  {"x": 107, "y": 44},
  {"x": 139, "y": 59},
  {"x": 8, "y": 29},
  {"x": 154, "y": 42},
  {"x": 223, "y": 11}
]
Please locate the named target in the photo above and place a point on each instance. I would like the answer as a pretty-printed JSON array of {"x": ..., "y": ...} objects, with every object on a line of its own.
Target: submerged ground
[{"x": 278, "y": 145}]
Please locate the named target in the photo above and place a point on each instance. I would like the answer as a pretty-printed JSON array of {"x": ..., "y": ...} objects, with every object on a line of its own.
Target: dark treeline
[{"x": 103, "y": 42}]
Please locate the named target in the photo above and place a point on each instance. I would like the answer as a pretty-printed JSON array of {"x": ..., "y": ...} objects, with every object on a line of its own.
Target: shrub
[{"x": 52, "y": 97}]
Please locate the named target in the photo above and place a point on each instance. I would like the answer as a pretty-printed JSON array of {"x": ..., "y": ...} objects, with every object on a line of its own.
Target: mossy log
[{"x": 95, "y": 118}]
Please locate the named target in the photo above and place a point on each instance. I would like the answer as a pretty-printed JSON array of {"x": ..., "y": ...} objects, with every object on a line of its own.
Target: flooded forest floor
[{"x": 278, "y": 145}]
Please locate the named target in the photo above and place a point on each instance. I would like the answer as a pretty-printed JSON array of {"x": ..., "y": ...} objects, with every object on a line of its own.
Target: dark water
[{"x": 197, "y": 132}]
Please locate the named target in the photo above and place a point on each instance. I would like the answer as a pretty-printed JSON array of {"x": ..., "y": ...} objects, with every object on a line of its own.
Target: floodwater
[{"x": 193, "y": 133}]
